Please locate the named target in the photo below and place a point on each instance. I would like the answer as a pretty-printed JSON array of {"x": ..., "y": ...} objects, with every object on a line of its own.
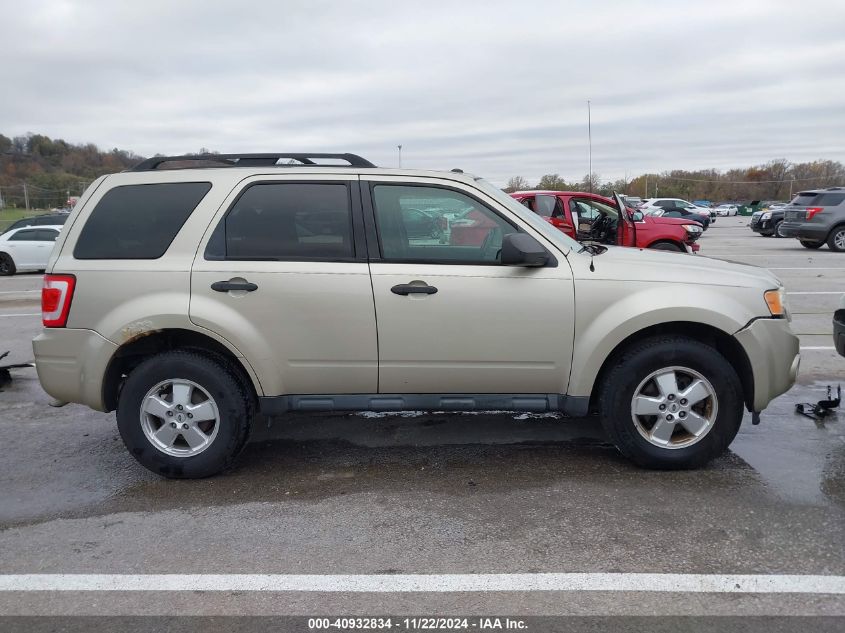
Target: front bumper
[
  {"x": 804, "y": 231},
  {"x": 71, "y": 364},
  {"x": 839, "y": 331},
  {"x": 772, "y": 349},
  {"x": 762, "y": 226}
]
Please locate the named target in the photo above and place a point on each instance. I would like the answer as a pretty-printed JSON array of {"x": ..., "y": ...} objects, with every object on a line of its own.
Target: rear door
[
  {"x": 451, "y": 318},
  {"x": 282, "y": 274}
]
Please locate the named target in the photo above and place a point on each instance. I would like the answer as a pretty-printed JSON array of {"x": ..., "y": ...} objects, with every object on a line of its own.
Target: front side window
[
  {"x": 432, "y": 224},
  {"x": 287, "y": 221},
  {"x": 30, "y": 235},
  {"x": 138, "y": 221}
]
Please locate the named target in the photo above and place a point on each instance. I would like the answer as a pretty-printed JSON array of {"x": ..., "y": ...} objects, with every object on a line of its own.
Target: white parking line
[
  {"x": 21, "y": 315},
  {"x": 807, "y": 268},
  {"x": 436, "y": 583},
  {"x": 817, "y": 347},
  {"x": 821, "y": 292},
  {"x": 17, "y": 292}
]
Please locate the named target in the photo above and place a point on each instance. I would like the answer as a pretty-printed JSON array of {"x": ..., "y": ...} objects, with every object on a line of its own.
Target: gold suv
[{"x": 192, "y": 294}]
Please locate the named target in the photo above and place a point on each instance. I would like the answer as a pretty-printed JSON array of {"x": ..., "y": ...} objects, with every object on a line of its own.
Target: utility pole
[
  {"x": 25, "y": 196},
  {"x": 590, "y": 147},
  {"x": 791, "y": 182},
  {"x": 1, "y": 198},
  {"x": 646, "y": 187},
  {"x": 400, "y": 156}
]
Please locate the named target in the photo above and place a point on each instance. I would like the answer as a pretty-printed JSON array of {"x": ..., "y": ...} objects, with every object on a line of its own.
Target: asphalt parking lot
[{"x": 432, "y": 494}]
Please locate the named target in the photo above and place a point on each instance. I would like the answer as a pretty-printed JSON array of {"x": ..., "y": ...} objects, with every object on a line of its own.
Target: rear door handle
[
  {"x": 226, "y": 286},
  {"x": 407, "y": 289}
]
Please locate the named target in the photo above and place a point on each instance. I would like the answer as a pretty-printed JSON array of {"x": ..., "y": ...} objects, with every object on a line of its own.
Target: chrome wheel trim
[
  {"x": 179, "y": 417},
  {"x": 839, "y": 239},
  {"x": 674, "y": 407}
]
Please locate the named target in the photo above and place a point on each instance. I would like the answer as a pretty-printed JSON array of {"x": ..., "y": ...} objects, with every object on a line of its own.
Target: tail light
[
  {"x": 56, "y": 295},
  {"x": 812, "y": 211}
]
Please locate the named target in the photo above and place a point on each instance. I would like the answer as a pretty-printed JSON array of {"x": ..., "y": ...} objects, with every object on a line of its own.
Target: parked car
[
  {"x": 726, "y": 210},
  {"x": 839, "y": 327},
  {"x": 632, "y": 202},
  {"x": 767, "y": 222},
  {"x": 26, "y": 249},
  {"x": 817, "y": 217},
  {"x": 677, "y": 208},
  {"x": 591, "y": 217},
  {"x": 49, "y": 219},
  {"x": 190, "y": 300}
]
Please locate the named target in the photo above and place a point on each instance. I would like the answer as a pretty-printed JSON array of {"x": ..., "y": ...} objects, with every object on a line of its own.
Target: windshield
[{"x": 538, "y": 223}]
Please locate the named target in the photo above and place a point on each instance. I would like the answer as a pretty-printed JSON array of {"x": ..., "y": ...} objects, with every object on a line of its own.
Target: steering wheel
[{"x": 600, "y": 227}]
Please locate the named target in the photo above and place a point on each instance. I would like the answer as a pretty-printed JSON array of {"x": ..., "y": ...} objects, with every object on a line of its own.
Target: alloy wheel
[
  {"x": 179, "y": 417},
  {"x": 674, "y": 407}
]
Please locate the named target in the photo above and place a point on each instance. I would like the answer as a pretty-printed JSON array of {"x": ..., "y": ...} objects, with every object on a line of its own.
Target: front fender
[{"x": 608, "y": 312}]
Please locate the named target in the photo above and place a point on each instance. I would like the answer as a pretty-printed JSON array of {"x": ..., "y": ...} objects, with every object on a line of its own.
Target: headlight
[
  {"x": 692, "y": 228},
  {"x": 766, "y": 216},
  {"x": 776, "y": 300}
]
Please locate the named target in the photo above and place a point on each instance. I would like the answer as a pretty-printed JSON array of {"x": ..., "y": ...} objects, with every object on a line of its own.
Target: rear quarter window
[{"x": 138, "y": 221}]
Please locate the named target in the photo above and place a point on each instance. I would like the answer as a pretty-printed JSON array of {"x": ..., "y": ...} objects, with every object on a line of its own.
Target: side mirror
[
  {"x": 637, "y": 216},
  {"x": 520, "y": 249}
]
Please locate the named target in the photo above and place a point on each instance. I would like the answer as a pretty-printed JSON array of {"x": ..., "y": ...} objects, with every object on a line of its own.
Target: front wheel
[
  {"x": 184, "y": 415},
  {"x": 778, "y": 232},
  {"x": 671, "y": 402},
  {"x": 836, "y": 239},
  {"x": 809, "y": 244},
  {"x": 7, "y": 265},
  {"x": 667, "y": 246}
]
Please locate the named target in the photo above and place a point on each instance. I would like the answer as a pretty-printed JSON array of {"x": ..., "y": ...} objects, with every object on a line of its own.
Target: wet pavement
[{"x": 433, "y": 494}]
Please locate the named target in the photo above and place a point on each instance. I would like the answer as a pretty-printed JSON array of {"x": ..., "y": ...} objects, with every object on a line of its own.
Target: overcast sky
[{"x": 496, "y": 88}]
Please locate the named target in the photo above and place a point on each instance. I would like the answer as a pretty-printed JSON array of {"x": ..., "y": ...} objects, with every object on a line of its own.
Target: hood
[
  {"x": 659, "y": 219},
  {"x": 636, "y": 264}
]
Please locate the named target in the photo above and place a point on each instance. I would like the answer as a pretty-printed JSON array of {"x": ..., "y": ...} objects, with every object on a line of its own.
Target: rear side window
[
  {"x": 46, "y": 235},
  {"x": 804, "y": 199},
  {"x": 138, "y": 221},
  {"x": 286, "y": 221},
  {"x": 829, "y": 200}
]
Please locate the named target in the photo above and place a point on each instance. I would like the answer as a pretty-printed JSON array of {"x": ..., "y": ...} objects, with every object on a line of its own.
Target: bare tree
[{"x": 517, "y": 183}]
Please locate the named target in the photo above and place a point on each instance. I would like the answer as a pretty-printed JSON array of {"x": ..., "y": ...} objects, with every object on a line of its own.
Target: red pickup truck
[{"x": 591, "y": 217}]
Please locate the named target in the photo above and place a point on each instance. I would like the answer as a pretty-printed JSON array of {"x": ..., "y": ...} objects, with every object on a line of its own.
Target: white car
[
  {"x": 27, "y": 248},
  {"x": 727, "y": 209}
]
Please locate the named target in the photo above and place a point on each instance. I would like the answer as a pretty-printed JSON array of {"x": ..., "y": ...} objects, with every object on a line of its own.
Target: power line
[{"x": 746, "y": 182}]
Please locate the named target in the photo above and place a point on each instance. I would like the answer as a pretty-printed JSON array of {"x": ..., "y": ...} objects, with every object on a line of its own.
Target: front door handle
[
  {"x": 407, "y": 289},
  {"x": 226, "y": 286}
]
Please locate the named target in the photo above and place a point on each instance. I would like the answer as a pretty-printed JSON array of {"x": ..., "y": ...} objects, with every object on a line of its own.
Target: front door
[
  {"x": 451, "y": 318},
  {"x": 284, "y": 277}
]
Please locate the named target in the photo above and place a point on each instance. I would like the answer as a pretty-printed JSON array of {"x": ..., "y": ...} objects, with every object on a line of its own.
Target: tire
[
  {"x": 836, "y": 239},
  {"x": 684, "y": 449},
  {"x": 809, "y": 244},
  {"x": 222, "y": 433},
  {"x": 777, "y": 232},
  {"x": 667, "y": 246},
  {"x": 7, "y": 265}
]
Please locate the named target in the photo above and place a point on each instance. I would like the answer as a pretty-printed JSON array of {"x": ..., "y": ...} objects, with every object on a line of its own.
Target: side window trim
[{"x": 359, "y": 242}]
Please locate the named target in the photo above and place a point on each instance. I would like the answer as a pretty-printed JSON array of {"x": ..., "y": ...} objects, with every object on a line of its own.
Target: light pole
[
  {"x": 590, "y": 147},
  {"x": 791, "y": 182},
  {"x": 400, "y": 156}
]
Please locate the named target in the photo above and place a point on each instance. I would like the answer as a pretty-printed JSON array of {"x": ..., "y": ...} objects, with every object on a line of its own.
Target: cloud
[{"x": 496, "y": 88}]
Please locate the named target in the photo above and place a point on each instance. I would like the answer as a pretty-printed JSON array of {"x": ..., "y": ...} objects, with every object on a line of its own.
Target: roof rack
[{"x": 249, "y": 160}]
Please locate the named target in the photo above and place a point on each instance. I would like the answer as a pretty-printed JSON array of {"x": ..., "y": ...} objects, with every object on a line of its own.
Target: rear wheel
[
  {"x": 809, "y": 244},
  {"x": 671, "y": 402},
  {"x": 184, "y": 415},
  {"x": 836, "y": 239},
  {"x": 7, "y": 265}
]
